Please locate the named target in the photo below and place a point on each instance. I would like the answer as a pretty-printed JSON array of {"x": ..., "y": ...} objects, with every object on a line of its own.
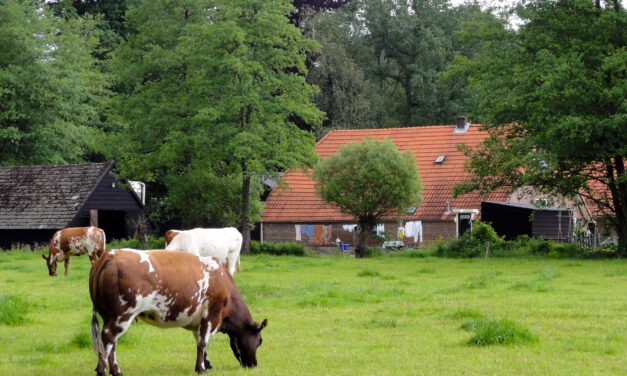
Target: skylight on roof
[{"x": 440, "y": 159}]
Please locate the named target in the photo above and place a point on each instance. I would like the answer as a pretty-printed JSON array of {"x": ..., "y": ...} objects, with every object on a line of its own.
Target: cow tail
[
  {"x": 96, "y": 341},
  {"x": 237, "y": 264}
]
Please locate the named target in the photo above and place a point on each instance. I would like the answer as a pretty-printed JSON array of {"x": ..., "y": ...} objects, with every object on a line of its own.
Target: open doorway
[{"x": 464, "y": 223}]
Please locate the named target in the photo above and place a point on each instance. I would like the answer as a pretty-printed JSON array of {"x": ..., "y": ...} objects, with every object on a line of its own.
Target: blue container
[{"x": 345, "y": 247}]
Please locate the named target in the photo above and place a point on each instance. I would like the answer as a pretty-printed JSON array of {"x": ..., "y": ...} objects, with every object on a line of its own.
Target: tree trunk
[
  {"x": 245, "y": 211},
  {"x": 365, "y": 228}
]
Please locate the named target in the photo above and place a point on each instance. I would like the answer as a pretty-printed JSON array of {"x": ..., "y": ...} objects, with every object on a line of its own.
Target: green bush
[
  {"x": 152, "y": 243},
  {"x": 473, "y": 243},
  {"x": 540, "y": 246},
  {"x": 464, "y": 246},
  {"x": 566, "y": 250},
  {"x": 484, "y": 232},
  {"x": 277, "y": 249},
  {"x": 497, "y": 332}
]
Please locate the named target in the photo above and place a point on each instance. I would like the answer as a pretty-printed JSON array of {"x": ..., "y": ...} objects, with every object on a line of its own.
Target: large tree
[
  {"x": 207, "y": 94},
  {"x": 553, "y": 97},
  {"x": 369, "y": 180},
  {"x": 50, "y": 86}
]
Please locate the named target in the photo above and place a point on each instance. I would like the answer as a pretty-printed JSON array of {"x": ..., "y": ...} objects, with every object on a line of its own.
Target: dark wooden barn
[
  {"x": 513, "y": 220},
  {"x": 36, "y": 201}
]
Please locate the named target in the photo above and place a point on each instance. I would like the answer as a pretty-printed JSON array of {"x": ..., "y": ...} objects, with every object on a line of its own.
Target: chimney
[{"x": 462, "y": 125}]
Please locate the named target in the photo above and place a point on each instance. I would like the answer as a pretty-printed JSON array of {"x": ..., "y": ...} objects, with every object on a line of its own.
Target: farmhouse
[
  {"x": 294, "y": 212},
  {"x": 36, "y": 201}
]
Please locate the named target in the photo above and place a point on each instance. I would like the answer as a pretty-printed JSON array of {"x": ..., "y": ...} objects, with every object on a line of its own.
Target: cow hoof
[
  {"x": 100, "y": 372},
  {"x": 201, "y": 370},
  {"x": 208, "y": 364}
]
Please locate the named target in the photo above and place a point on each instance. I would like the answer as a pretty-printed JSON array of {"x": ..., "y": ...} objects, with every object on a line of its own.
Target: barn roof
[
  {"x": 297, "y": 201},
  {"x": 46, "y": 197}
]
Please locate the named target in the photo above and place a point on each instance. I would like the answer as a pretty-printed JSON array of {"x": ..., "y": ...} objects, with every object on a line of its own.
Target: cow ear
[
  {"x": 44, "y": 257},
  {"x": 263, "y": 324}
]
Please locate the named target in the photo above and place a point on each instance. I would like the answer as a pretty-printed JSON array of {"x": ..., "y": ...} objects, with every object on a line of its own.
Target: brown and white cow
[
  {"x": 74, "y": 241},
  {"x": 169, "y": 289}
]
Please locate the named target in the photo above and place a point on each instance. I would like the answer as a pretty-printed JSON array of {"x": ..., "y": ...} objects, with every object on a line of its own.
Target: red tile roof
[{"x": 298, "y": 202}]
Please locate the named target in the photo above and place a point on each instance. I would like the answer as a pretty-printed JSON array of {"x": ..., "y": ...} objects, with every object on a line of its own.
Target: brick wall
[{"x": 286, "y": 232}]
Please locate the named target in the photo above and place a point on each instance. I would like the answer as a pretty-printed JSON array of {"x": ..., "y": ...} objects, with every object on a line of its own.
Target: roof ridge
[{"x": 60, "y": 165}]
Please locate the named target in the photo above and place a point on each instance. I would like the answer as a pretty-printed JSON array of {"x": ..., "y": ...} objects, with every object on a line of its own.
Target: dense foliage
[
  {"x": 382, "y": 62},
  {"x": 369, "y": 180},
  {"x": 553, "y": 97},
  {"x": 51, "y": 88}
]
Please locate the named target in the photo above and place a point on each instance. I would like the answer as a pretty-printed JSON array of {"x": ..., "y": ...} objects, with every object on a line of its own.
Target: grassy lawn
[{"x": 336, "y": 315}]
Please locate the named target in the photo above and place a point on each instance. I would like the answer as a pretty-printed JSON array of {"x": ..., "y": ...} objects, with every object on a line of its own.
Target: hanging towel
[
  {"x": 307, "y": 230},
  {"x": 326, "y": 233},
  {"x": 318, "y": 234},
  {"x": 409, "y": 229},
  {"x": 400, "y": 233},
  {"x": 380, "y": 228},
  {"x": 297, "y": 230},
  {"x": 418, "y": 231},
  {"x": 349, "y": 228}
]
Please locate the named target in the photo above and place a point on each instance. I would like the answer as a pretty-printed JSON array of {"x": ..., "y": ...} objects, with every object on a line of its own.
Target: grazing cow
[
  {"x": 74, "y": 241},
  {"x": 169, "y": 289},
  {"x": 222, "y": 243}
]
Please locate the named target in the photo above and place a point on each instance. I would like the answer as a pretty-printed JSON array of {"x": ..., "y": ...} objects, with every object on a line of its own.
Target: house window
[{"x": 440, "y": 159}]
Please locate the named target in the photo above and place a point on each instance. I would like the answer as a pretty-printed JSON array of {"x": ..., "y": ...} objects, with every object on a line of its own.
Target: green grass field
[{"x": 336, "y": 315}]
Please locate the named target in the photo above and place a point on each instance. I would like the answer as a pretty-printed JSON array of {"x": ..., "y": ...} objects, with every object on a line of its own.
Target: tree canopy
[
  {"x": 553, "y": 97},
  {"x": 369, "y": 180},
  {"x": 51, "y": 88}
]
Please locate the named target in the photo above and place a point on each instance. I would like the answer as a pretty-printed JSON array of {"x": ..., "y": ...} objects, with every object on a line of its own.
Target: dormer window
[{"x": 440, "y": 159}]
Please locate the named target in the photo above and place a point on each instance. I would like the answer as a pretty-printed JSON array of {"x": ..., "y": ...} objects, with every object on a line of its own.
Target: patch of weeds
[
  {"x": 383, "y": 323},
  {"x": 315, "y": 302},
  {"x": 368, "y": 273},
  {"x": 426, "y": 270},
  {"x": 497, "y": 332},
  {"x": 617, "y": 273},
  {"x": 13, "y": 310},
  {"x": 482, "y": 281},
  {"x": 548, "y": 273},
  {"x": 49, "y": 347},
  {"x": 466, "y": 313},
  {"x": 388, "y": 277},
  {"x": 573, "y": 264},
  {"x": 81, "y": 340},
  {"x": 537, "y": 285}
]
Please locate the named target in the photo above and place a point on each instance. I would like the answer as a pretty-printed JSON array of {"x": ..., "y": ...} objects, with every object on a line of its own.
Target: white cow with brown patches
[
  {"x": 223, "y": 243},
  {"x": 169, "y": 289},
  {"x": 74, "y": 241}
]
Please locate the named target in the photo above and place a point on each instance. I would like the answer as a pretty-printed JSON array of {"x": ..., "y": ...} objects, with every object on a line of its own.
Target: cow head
[
  {"x": 169, "y": 235},
  {"x": 51, "y": 263},
  {"x": 244, "y": 345}
]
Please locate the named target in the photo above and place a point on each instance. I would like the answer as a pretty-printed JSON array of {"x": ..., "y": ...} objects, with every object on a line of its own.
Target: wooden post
[
  {"x": 487, "y": 249},
  {"x": 93, "y": 217}
]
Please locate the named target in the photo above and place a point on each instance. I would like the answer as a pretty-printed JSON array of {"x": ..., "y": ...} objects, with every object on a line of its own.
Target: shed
[
  {"x": 512, "y": 220},
  {"x": 36, "y": 201}
]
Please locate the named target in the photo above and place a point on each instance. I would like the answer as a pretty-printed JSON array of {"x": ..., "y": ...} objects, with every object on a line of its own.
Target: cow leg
[
  {"x": 206, "y": 361},
  {"x": 66, "y": 264},
  {"x": 112, "y": 330},
  {"x": 202, "y": 335}
]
